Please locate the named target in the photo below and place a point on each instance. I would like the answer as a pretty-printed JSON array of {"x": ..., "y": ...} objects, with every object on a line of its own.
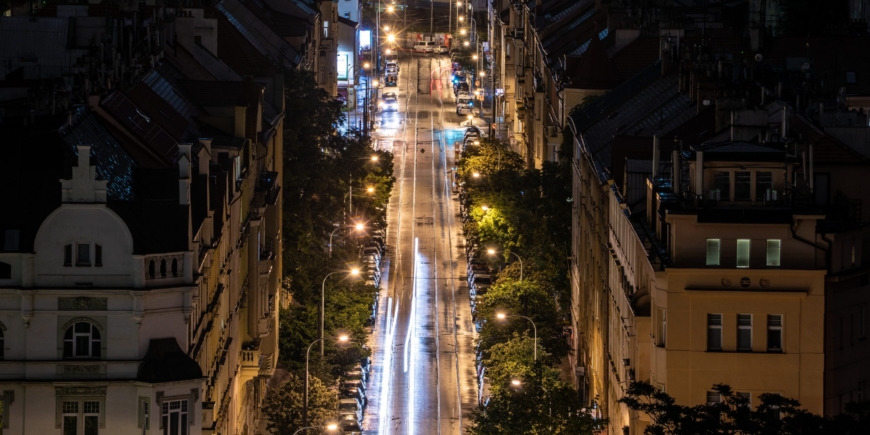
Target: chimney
[
  {"x": 699, "y": 173},
  {"x": 239, "y": 130},
  {"x": 184, "y": 161},
  {"x": 655, "y": 156},
  {"x": 784, "y": 130},
  {"x": 675, "y": 160},
  {"x": 204, "y": 156}
]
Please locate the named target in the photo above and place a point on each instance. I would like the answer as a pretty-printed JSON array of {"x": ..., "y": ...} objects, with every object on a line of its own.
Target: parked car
[
  {"x": 464, "y": 104},
  {"x": 471, "y": 132},
  {"x": 424, "y": 46},
  {"x": 392, "y": 64},
  {"x": 371, "y": 250},
  {"x": 356, "y": 373},
  {"x": 391, "y": 79},
  {"x": 440, "y": 49},
  {"x": 353, "y": 390},
  {"x": 350, "y": 406},
  {"x": 479, "y": 285},
  {"x": 349, "y": 424}
]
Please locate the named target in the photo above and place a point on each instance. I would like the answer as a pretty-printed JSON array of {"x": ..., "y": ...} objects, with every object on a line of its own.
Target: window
[
  {"x": 774, "y": 333},
  {"x": 743, "y": 246},
  {"x": 98, "y": 255},
  {"x": 81, "y": 417},
  {"x": 744, "y": 332},
  {"x": 144, "y": 413},
  {"x": 713, "y": 252},
  {"x": 175, "y": 417},
  {"x": 714, "y": 332},
  {"x": 773, "y": 252},
  {"x": 82, "y": 340},
  {"x": 742, "y": 186},
  {"x": 326, "y": 29},
  {"x": 713, "y": 397},
  {"x": 722, "y": 185},
  {"x": 5, "y": 270},
  {"x": 67, "y": 255},
  {"x": 661, "y": 327},
  {"x": 764, "y": 186},
  {"x": 83, "y": 254}
]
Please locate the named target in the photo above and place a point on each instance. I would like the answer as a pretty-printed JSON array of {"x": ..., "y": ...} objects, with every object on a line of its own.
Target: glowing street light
[
  {"x": 484, "y": 207},
  {"x": 482, "y": 74},
  {"x": 386, "y": 28},
  {"x": 374, "y": 158},
  {"x": 389, "y": 51},
  {"x": 353, "y": 272},
  {"x": 391, "y": 38},
  {"x": 516, "y": 382},
  {"x": 476, "y": 174},
  {"x": 344, "y": 338},
  {"x": 367, "y": 65},
  {"x": 503, "y": 316},
  {"x": 370, "y": 190},
  {"x": 493, "y": 252},
  {"x": 465, "y": 43},
  {"x": 474, "y": 56},
  {"x": 390, "y": 9},
  {"x": 374, "y": 83},
  {"x": 461, "y": 18},
  {"x": 462, "y": 31}
]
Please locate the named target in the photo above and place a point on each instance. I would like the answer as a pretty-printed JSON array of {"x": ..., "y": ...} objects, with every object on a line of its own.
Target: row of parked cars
[
  {"x": 352, "y": 388},
  {"x": 353, "y": 398}
]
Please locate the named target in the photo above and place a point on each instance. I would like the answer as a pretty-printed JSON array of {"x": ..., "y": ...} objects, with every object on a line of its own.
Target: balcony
[
  {"x": 266, "y": 261},
  {"x": 266, "y": 190}
]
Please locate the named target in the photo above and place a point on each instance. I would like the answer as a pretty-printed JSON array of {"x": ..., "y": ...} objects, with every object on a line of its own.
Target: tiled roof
[
  {"x": 238, "y": 52},
  {"x": 593, "y": 70},
  {"x": 37, "y": 45},
  {"x": 607, "y": 103},
  {"x": 167, "y": 91},
  {"x": 138, "y": 123},
  {"x": 562, "y": 28},
  {"x": 264, "y": 39},
  {"x": 113, "y": 162},
  {"x": 637, "y": 56},
  {"x": 162, "y": 111}
]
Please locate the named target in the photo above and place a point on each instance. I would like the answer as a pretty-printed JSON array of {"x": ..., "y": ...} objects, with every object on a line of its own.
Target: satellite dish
[
  {"x": 805, "y": 67},
  {"x": 758, "y": 57}
]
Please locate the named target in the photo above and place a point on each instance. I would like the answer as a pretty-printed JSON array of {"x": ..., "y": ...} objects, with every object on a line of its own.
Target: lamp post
[
  {"x": 353, "y": 272},
  {"x": 502, "y": 316},
  {"x": 330, "y": 427},
  {"x": 493, "y": 252},
  {"x": 358, "y": 227},
  {"x": 341, "y": 338}
]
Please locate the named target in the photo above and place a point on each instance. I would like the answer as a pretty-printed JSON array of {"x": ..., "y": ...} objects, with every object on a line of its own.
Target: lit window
[
  {"x": 744, "y": 332},
  {"x": 773, "y": 252},
  {"x": 743, "y": 253},
  {"x": 714, "y": 332},
  {"x": 713, "y": 252},
  {"x": 774, "y": 333}
]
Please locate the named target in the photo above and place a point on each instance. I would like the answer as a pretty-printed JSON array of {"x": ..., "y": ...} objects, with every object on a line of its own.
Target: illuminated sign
[
  {"x": 365, "y": 40},
  {"x": 342, "y": 65}
]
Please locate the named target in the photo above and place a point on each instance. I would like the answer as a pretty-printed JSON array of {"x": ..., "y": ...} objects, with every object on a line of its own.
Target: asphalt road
[{"x": 423, "y": 378}]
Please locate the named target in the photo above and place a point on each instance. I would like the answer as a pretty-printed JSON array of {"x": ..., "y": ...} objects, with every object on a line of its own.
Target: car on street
[
  {"x": 356, "y": 373},
  {"x": 392, "y": 65},
  {"x": 390, "y": 103},
  {"x": 460, "y": 87},
  {"x": 391, "y": 79},
  {"x": 471, "y": 132},
  {"x": 424, "y": 46},
  {"x": 441, "y": 49},
  {"x": 349, "y": 423},
  {"x": 353, "y": 390},
  {"x": 464, "y": 104}
]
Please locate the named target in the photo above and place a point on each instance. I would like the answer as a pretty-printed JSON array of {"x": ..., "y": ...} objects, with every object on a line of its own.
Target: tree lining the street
[
  {"x": 733, "y": 414},
  {"x": 322, "y": 166}
]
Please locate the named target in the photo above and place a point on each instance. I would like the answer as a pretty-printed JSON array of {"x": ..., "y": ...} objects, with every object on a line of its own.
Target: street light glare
[
  {"x": 366, "y": 65},
  {"x": 390, "y": 9},
  {"x": 370, "y": 190},
  {"x": 343, "y": 338},
  {"x": 391, "y": 38},
  {"x": 462, "y": 32},
  {"x": 359, "y": 227},
  {"x": 484, "y": 208},
  {"x": 482, "y": 74},
  {"x": 474, "y": 56},
  {"x": 374, "y": 158},
  {"x": 516, "y": 382},
  {"x": 500, "y": 315},
  {"x": 461, "y": 18},
  {"x": 374, "y": 82},
  {"x": 476, "y": 175},
  {"x": 492, "y": 252},
  {"x": 466, "y": 43},
  {"x": 354, "y": 272},
  {"x": 389, "y": 51}
]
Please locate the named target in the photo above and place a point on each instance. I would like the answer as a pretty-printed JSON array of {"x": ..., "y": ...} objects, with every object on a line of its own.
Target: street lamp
[
  {"x": 516, "y": 383},
  {"x": 341, "y": 339},
  {"x": 386, "y": 28},
  {"x": 493, "y": 252},
  {"x": 353, "y": 272},
  {"x": 475, "y": 174},
  {"x": 367, "y": 65},
  {"x": 391, "y": 38},
  {"x": 462, "y": 31},
  {"x": 390, "y": 9},
  {"x": 358, "y": 227},
  {"x": 374, "y": 158},
  {"x": 370, "y": 190},
  {"x": 465, "y": 43},
  {"x": 330, "y": 427},
  {"x": 502, "y": 316},
  {"x": 484, "y": 207}
]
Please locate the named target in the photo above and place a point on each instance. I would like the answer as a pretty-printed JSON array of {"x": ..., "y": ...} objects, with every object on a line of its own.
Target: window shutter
[
  {"x": 713, "y": 252},
  {"x": 743, "y": 252},
  {"x": 773, "y": 252}
]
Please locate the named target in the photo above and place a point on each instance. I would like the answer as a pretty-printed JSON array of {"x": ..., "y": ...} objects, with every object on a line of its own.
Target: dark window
[
  {"x": 744, "y": 332},
  {"x": 763, "y": 186},
  {"x": 83, "y": 254},
  {"x": 98, "y": 255},
  {"x": 162, "y": 268},
  {"x": 151, "y": 271},
  {"x": 67, "y": 255},
  {"x": 742, "y": 186},
  {"x": 82, "y": 340},
  {"x": 722, "y": 186},
  {"x": 774, "y": 333},
  {"x": 174, "y": 267},
  {"x": 714, "y": 332},
  {"x": 820, "y": 188},
  {"x": 5, "y": 270}
]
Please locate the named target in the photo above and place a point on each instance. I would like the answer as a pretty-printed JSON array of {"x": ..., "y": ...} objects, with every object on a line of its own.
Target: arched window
[
  {"x": 163, "y": 268},
  {"x": 174, "y": 267},
  {"x": 81, "y": 340},
  {"x": 151, "y": 271}
]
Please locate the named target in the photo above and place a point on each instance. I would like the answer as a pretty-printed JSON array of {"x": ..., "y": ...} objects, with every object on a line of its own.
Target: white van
[
  {"x": 464, "y": 104},
  {"x": 424, "y": 46}
]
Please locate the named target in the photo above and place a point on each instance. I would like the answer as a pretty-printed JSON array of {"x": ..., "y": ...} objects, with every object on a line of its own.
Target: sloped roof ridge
[{"x": 605, "y": 104}]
